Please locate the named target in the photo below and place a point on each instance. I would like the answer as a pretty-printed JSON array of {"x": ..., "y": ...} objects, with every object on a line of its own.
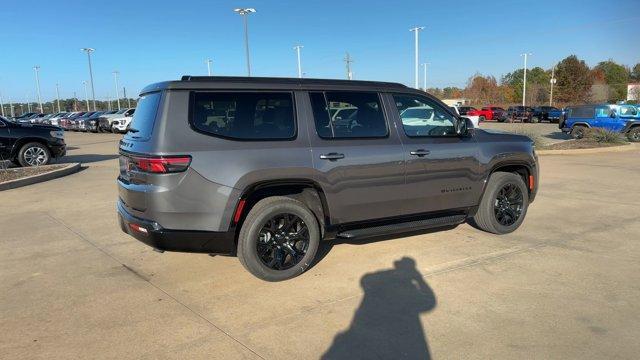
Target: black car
[
  {"x": 521, "y": 113},
  {"x": 30, "y": 145},
  {"x": 89, "y": 123},
  {"x": 547, "y": 113}
]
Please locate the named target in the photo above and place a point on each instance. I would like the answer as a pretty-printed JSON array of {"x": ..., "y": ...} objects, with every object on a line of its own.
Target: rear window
[
  {"x": 582, "y": 112},
  {"x": 244, "y": 115},
  {"x": 145, "y": 116}
]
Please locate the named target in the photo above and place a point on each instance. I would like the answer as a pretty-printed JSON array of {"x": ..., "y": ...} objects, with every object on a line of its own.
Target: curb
[
  {"x": 600, "y": 150},
  {"x": 34, "y": 179}
]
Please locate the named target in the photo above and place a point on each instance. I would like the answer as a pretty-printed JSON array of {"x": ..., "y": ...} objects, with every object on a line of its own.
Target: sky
[{"x": 151, "y": 41}]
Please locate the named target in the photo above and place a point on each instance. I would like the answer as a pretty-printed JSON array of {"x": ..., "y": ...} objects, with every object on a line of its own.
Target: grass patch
[{"x": 603, "y": 136}]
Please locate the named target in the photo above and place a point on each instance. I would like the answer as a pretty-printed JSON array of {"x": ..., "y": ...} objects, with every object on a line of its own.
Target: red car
[{"x": 490, "y": 113}]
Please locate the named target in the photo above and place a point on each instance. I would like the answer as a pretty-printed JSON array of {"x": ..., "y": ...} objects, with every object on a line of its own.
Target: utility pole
[
  {"x": 424, "y": 66},
  {"x": 115, "y": 76},
  {"x": 209, "y": 61},
  {"x": 244, "y": 13},
  {"x": 1, "y": 104},
  {"x": 93, "y": 92},
  {"x": 348, "y": 61},
  {"x": 297, "y": 49},
  {"x": 37, "y": 69},
  {"x": 75, "y": 101},
  {"x": 124, "y": 89},
  {"x": 524, "y": 83},
  {"x": 86, "y": 94},
  {"x": 108, "y": 101},
  {"x": 58, "y": 95},
  {"x": 416, "y": 30},
  {"x": 553, "y": 81},
  {"x": 11, "y": 108}
]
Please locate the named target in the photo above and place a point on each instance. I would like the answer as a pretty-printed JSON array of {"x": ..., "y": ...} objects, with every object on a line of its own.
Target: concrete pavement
[{"x": 565, "y": 285}]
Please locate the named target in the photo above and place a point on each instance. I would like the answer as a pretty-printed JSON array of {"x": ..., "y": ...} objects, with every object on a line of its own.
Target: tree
[
  {"x": 574, "y": 81},
  {"x": 482, "y": 90},
  {"x": 616, "y": 76},
  {"x": 635, "y": 72},
  {"x": 537, "y": 85}
]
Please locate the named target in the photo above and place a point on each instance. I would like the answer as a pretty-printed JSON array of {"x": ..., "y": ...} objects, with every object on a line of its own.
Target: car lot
[{"x": 565, "y": 285}]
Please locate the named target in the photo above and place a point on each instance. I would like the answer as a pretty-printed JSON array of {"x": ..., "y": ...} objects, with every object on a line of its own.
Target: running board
[{"x": 402, "y": 227}]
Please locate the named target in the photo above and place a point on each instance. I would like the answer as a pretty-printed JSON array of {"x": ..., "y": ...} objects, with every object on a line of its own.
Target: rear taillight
[{"x": 159, "y": 165}]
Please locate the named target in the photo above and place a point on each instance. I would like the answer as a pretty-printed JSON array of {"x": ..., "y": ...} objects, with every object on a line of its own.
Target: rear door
[
  {"x": 442, "y": 168},
  {"x": 358, "y": 160}
]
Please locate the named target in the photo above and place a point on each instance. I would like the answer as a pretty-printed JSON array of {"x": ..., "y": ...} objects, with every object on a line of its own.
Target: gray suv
[{"x": 266, "y": 168}]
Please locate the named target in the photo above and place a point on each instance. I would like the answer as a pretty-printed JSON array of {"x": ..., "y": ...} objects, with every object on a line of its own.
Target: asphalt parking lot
[{"x": 565, "y": 285}]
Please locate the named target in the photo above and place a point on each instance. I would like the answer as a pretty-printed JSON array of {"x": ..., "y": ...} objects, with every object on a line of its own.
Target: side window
[
  {"x": 244, "y": 115},
  {"x": 423, "y": 117},
  {"x": 342, "y": 115},
  {"x": 627, "y": 111},
  {"x": 603, "y": 112}
]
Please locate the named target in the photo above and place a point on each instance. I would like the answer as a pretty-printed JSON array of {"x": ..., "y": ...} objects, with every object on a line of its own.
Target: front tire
[
  {"x": 481, "y": 119},
  {"x": 634, "y": 134},
  {"x": 34, "y": 154},
  {"x": 503, "y": 205},
  {"x": 278, "y": 239},
  {"x": 578, "y": 132}
]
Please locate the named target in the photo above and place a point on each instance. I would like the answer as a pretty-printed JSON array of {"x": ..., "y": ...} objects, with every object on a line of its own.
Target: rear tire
[
  {"x": 634, "y": 134},
  {"x": 578, "y": 132},
  {"x": 267, "y": 244},
  {"x": 499, "y": 212},
  {"x": 481, "y": 119},
  {"x": 535, "y": 120}
]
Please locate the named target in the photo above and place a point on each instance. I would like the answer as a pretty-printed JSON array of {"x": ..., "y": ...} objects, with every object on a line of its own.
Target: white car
[
  {"x": 121, "y": 124},
  {"x": 106, "y": 120},
  {"x": 474, "y": 119}
]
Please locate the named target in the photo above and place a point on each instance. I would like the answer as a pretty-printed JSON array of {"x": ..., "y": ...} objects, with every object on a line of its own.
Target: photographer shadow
[{"x": 387, "y": 323}]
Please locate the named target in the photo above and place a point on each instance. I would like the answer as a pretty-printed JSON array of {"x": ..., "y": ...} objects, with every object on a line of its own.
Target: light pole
[
  {"x": 244, "y": 12},
  {"x": 348, "y": 61},
  {"x": 553, "y": 82},
  {"x": 424, "y": 66},
  {"x": 124, "y": 91},
  {"x": 37, "y": 69},
  {"x": 115, "y": 77},
  {"x": 93, "y": 92},
  {"x": 416, "y": 30},
  {"x": 209, "y": 62},
  {"x": 524, "y": 83},
  {"x": 58, "y": 95},
  {"x": 86, "y": 94},
  {"x": 2, "y": 104},
  {"x": 297, "y": 49}
]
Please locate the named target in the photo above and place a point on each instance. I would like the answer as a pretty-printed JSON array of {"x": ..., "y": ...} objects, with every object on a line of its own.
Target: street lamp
[
  {"x": 37, "y": 69},
  {"x": 424, "y": 65},
  {"x": 553, "y": 82},
  {"x": 58, "y": 95},
  {"x": 115, "y": 77},
  {"x": 244, "y": 12},
  {"x": 416, "y": 30},
  {"x": 209, "y": 62},
  {"x": 524, "y": 83},
  {"x": 93, "y": 92},
  {"x": 86, "y": 94},
  {"x": 297, "y": 49},
  {"x": 2, "y": 104}
]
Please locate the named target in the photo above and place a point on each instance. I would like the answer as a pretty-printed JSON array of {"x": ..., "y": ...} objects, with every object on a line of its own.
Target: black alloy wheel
[
  {"x": 508, "y": 204},
  {"x": 283, "y": 241}
]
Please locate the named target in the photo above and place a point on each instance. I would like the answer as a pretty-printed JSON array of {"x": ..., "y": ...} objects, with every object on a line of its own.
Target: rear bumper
[{"x": 154, "y": 235}]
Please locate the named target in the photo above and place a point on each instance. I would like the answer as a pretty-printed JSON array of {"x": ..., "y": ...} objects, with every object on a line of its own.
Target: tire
[
  {"x": 634, "y": 134},
  {"x": 255, "y": 232},
  {"x": 34, "y": 154},
  {"x": 535, "y": 120},
  {"x": 578, "y": 131},
  {"x": 487, "y": 216},
  {"x": 482, "y": 119}
]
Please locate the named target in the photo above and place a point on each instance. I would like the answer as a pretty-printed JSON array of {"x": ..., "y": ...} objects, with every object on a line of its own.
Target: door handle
[
  {"x": 420, "y": 152},
  {"x": 332, "y": 156}
]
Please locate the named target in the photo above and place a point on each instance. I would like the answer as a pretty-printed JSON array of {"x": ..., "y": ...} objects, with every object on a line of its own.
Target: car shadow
[
  {"x": 387, "y": 323},
  {"x": 85, "y": 158},
  {"x": 558, "y": 135}
]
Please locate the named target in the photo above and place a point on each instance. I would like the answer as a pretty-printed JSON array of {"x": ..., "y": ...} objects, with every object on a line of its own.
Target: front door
[
  {"x": 442, "y": 168},
  {"x": 359, "y": 161},
  {"x": 6, "y": 142}
]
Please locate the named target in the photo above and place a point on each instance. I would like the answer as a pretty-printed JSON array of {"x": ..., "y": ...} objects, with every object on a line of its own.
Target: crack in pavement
[{"x": 143, "y": 278}]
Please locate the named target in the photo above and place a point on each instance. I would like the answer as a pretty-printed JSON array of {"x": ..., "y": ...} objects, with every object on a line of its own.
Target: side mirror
[{"x": 465, "y": 127}]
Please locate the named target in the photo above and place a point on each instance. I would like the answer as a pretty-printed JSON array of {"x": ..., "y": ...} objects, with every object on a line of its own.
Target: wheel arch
[
  {"x": 580, "y": 123},
  {"x": 24, "y": 140},
  {"x": 521, "y": 168}
]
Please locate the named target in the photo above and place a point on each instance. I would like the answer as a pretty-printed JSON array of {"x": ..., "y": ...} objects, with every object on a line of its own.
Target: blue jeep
[{"x": 624, "y": 119}]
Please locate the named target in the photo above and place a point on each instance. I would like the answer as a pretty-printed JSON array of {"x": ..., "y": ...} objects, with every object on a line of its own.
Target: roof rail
[{"x": 283, "y": 80}]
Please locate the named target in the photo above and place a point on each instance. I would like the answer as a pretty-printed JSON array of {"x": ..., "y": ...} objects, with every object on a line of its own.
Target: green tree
[
  {"x": 617, "y": 77},
  {"x": 574, "y": 81},
  {"x": 635, "y": 72},
  {"x": 537, "y": 85}
]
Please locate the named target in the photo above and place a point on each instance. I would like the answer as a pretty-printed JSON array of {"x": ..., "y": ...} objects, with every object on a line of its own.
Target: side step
[{"x": 402, "y": 227}]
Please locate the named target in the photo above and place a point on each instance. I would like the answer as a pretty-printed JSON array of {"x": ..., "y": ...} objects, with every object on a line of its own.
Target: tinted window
[
  {"x": 424, "y": 117},
  {"x": 348, "y": 115},
  {"x": 145, "y": 117},
  {"x": 248, "y": 116},
  {"x": 584, "y": 112}
]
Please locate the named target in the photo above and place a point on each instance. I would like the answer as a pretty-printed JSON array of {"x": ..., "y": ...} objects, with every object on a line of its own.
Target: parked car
[
  {"x": 106, "y": 120},
  {"x": 489, "y": 113},
  {"x": 547, "y": 113},
  {"x": 520, "y": 113},
  {"x": 55, "y": 119},
  {"x": 89, "y": 123},
  {"x": 475, "y": 119},
  {"x": 463, "y": 110},
  {"x": 30, "y": 145},
  {"x": 624, "y": 119},
  {"x": 66, "y": 121},
  {"x": 24, "y": 116},
  {"x": 269, "y": 182},
  {"x": 78, "y": 124},
  {"x": 121, "y": 125}
]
